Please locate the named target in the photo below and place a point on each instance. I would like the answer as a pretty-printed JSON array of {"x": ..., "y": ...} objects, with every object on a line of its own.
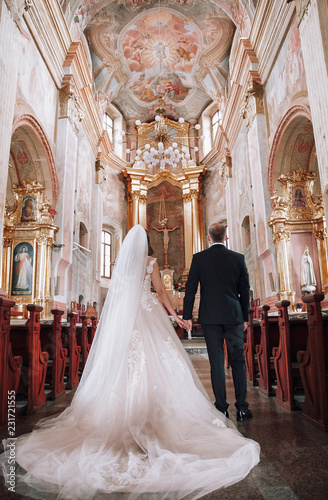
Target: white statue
[{"x": 308, "y": 281}]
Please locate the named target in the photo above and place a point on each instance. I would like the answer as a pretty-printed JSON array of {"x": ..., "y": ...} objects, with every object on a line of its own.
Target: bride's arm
[{"x": 163, "y": 296}]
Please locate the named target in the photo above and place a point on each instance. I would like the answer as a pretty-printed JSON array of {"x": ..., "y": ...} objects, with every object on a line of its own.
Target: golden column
[
  {"x": 137, "y": 196},
  {"x": 187, "y": 209},
  {"x": 196, "y": 240},
  {"x": 43, "y": 273},
  {"x": 6, "y": 261},
  {"x": 191, "y": 191},
  {"x": 281, "y": 239}
]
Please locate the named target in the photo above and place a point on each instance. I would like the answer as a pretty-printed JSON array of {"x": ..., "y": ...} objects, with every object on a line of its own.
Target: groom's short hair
[{"x": 217, "y": 232}]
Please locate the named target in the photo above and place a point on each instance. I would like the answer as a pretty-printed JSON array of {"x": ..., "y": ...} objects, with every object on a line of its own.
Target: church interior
[{"x": 172, "y": 114}]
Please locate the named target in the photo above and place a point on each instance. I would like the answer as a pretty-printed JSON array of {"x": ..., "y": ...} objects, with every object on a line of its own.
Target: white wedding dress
[{"x": 140, "y": 424}]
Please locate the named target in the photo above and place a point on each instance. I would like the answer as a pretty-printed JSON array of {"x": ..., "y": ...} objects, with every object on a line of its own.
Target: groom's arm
[
  {"x": 243, "y": 291},
  {"x": 190, "y": 290}
]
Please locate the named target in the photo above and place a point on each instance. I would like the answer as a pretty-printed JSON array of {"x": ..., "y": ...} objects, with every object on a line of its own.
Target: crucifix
[{"x": 165, "y": 229}]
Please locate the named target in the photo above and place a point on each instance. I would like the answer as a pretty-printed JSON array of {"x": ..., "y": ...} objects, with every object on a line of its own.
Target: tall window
[
  {"x": 83, "y": 235},
  {"x": 246, "y": 231},
  {"x": 216, "y": 118},
  {"x": 108, "y": 125},
  {"x": 106, "y": 247}
]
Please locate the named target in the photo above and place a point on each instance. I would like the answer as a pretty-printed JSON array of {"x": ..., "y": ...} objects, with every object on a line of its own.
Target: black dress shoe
[
  {"x": 244, "y": 415},
  {"x": 226, "y": 413}
]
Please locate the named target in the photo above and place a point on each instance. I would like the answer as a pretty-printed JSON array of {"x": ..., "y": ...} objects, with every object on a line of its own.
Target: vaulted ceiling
[{"x": 143, "y": 48}]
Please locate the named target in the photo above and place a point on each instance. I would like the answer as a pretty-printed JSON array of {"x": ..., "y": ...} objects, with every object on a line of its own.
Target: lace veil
[{"x": 107, "y": 361}]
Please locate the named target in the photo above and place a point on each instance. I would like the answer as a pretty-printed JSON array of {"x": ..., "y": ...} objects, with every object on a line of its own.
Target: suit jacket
[{"x": 224, "y": 287}]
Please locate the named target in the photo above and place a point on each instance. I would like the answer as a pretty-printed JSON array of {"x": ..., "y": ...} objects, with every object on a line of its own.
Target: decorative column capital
[
  {"x": 16, "y": 8},
  {"x": 194, "y": 194},
  {"x": 143, "y": 199},
  {"x": 225, "y": 169},
  {"x": 42, "y": 239},
  {"x": 69, "y": 106},
  {"x": 6, "y": 242},
  {"x": 186, "y": 197},
  {"x": 134, "y": 195},
  {"x": 302, "y": 9},
  {"x": 101, "y": 174},
  {"x": 320, "y": 234},
  {"x": 281, "y": 236},
  {"x": 252, "y": 101}
]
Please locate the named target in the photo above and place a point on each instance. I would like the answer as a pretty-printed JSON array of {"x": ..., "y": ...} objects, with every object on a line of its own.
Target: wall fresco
[
  {"x": 214, "y": 196},
  {"x": 160, "y": 55},
  {"x": 115, "y": 203},
  {"x": 288, "y": 75}
]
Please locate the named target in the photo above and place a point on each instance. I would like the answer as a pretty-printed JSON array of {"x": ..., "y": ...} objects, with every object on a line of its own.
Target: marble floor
[{"x": 294, "y": 456}]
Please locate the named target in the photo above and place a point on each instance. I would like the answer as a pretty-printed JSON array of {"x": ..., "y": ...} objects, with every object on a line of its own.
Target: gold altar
[
  {"x": 296, "y": 210},
  {"x": 29, "y": 234}
]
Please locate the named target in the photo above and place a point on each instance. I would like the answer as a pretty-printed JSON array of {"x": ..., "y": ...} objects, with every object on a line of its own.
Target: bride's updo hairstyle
[{"x": 150, "y": 248}]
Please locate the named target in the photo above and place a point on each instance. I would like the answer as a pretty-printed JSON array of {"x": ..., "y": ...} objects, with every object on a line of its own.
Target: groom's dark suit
[{"x": 223, "y": 309}]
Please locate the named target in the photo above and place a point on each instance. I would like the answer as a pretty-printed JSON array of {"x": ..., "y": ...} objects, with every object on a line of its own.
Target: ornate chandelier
[{"x": 163, "y": 145}]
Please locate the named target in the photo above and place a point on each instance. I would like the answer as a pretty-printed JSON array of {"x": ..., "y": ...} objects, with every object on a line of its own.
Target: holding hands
[
  {"x": 182, "y": 322},
  {"x": 188, "y": 324}
]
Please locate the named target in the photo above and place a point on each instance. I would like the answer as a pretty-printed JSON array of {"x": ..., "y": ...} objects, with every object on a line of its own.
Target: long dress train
[{"x": 142, "y": 423}]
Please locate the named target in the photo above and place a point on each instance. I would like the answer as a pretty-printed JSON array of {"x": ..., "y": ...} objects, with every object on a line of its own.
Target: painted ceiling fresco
[{"x": 176, "y": 48}]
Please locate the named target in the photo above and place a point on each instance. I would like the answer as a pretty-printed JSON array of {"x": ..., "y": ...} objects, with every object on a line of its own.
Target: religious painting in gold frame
[
  {"x": 298, "y": 196},
  {"x": 22, "y": 269},
  {"x": 28, "y": 209}
]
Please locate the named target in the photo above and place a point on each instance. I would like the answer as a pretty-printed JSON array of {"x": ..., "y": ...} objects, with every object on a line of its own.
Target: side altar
[{"x": 29, "y": 235}]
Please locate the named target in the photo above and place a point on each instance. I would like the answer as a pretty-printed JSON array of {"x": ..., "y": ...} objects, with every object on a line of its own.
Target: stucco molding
[
  {"x": 292, "y": 113},
  {"x": 32, "y": 123}
]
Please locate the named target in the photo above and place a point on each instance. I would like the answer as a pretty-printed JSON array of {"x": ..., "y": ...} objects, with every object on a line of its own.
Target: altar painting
[
  {"x": 22, "y": 272},
  {"x": 28, "y": 209}
]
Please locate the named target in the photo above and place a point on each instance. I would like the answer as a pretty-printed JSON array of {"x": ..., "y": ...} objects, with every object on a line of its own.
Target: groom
[{"x": 223, "y": 308}]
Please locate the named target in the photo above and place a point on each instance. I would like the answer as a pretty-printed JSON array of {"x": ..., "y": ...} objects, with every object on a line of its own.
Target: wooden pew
[
  {"x": 74, "y": 351},
  {"x": 293, "y": 335},
  {"x": 25, "y": 340},
  {"x": 253, "y": 336},
  {"x": 83, "y": 341},
  {"x": 269, "y": 340},
  {"x": 10, "y": 366},
  {"x": 51, "y": 342},
  {"x": 313, "y": 364},
  {"x": 255, "y": 305},
  {"x": 92, "y": 327}
]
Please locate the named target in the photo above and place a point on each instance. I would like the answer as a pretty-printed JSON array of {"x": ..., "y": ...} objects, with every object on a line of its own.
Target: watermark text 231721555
[
  {"x": 10, "y": 444},
  {"x": 11, "y": 413}
]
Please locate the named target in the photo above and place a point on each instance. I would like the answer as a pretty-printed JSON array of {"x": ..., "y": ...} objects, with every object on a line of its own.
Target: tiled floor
[{"x": 294, "y": 458}]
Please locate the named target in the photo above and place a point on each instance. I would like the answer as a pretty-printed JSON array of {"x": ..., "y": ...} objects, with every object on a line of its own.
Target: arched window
[
  {"x": 83, "y": 235},
  {"x": 109, "y": 126},
  {"x": 246, "y": 230},
  {"x": 106, "y": 249},
  {"x": 216, "y": 118}
]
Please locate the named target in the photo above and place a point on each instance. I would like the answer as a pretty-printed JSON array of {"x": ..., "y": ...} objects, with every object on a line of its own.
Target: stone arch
[
  {"x": 294, "y": 217},
  {"x": 292, "y": 117},
  {"x": 28, "y": 123}
]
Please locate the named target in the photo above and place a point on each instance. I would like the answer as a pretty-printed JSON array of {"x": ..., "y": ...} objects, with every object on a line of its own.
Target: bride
[{"x": 140, "y": 421}]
